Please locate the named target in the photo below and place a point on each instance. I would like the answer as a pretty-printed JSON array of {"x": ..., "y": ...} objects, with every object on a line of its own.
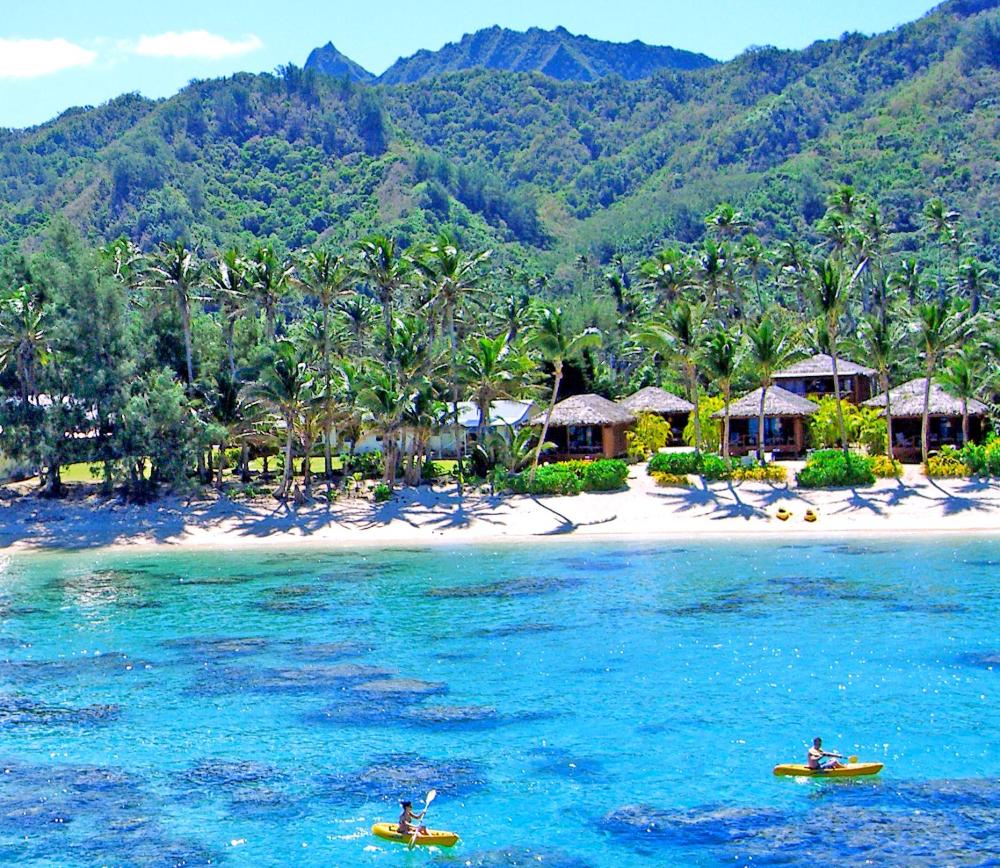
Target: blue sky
[{"x": 60, "y": 53}]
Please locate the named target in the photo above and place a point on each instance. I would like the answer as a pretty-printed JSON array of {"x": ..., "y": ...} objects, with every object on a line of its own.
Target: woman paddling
[{"x": 405, "y": 825}]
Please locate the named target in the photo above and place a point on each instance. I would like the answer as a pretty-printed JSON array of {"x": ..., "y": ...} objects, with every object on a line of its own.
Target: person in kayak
[
  {"x": 815, "y": 755},
  {"x": 405, "y": 825}
]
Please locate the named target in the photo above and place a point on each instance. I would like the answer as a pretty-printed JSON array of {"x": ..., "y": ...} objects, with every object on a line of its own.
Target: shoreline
[{"x": 434, "y": 516}]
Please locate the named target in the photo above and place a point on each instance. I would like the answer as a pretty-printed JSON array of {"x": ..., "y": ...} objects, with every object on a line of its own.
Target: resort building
[
  {"x": 587, "y": 426},
  {"x": 504, "y": 416},
  {"x": 676, "y": 411},
  {"x": 785, "y": 415},
  {"x": 814, "y": 376},
  {"x": 906, "y": 402}
]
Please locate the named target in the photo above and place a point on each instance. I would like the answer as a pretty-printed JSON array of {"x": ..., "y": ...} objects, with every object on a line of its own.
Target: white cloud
[
  {"x": 33, "y": 58},
  {"x": 199, "y": 44}
]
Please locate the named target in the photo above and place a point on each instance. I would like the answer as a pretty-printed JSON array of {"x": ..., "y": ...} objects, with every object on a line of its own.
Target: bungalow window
[
  {"x": 773, "y": 429},
  {"x": 582, "y": 439}
]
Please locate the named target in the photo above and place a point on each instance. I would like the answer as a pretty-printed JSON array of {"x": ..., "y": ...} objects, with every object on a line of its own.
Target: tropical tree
[
  {"x": 23, "y": 339},
  {"x": 721, "y": 357},
  {"x": 939, "y": 221},
  {"x": 771, "y": 347},
  {"x": 272, "y": 278},
  {"x": 390, "y": 274},
  {"x": 555, "y": 343},
  {"x": 973, "y": 281},
  {"x": 326, "y": 277},
  {"x": 174, "y": 270},
  {"x": 962, "y": 377},
  {"x": 938, "y": 327},
  {"x": 879, "y": 340},
  {"x": 494, "y": 369},
  {"x": 667, "y": 274},
  {"x": 285, "y": 386},
  {"x": 453, "y": 276},
  {"x": 384, "y": 402},
  {"x": 229, "y": 279}
]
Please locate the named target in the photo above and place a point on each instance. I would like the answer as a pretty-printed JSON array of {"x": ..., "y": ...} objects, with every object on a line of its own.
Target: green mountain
[
  {"x": 329, "y": 61},
  {"x": 556, "y": 53},
  {"x": 541, "y": 169}
]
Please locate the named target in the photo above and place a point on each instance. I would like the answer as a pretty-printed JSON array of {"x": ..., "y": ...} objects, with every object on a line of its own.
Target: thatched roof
[
  {"x": 655, "y": 400},
  {"x": 821, "y": 365},
  {"x": 907, "y": 400},
  {"x": 779, "y": 402},
  {"x": 587, "y": 410}
]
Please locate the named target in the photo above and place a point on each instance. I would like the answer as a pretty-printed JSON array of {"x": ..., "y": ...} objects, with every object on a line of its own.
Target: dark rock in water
[
  {"x": 713, "y": 825},
  {"x": 987, "y": 660},
  {"x": 518, "y": 630},
  {"x": 218, "y": 646},
  {"x": 62, "y": 669},
  {"x": 329, "y": 650},
  {"x": 360, "y": 712},
  {"x": 451, "y": 715},
  {"x": 568, "y": 766},
  {"x": 230, "y": 774},
  {"x": 929, "y": 608},
  {"x": 294, "y": 591},
  {"x": 527, "y": 586},
  {"x": 21, "y": 711},
  {"x": 243, "y": 679},
  {"x": 400, "y": 688},
  {"x": 292, "y": 607},
  {"x": 399, "y": 775},
  {"x": 517, "y": 857},
  {"x": 725, "y": 606}
]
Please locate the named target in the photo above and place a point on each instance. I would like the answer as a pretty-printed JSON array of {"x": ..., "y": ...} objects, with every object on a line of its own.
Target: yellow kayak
[
  {"x": 848, "y": 770},
  {"x": 433, "y": 838}
]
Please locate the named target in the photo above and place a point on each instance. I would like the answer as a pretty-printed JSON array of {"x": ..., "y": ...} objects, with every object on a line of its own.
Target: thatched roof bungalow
[
  {"x": 674, "y": 410},
  {"x": 587, "y": 426},
  {"x": 785, "y": 414},
  {"x": 814, "y": 376},
  {"x": 906, "y": 402}
]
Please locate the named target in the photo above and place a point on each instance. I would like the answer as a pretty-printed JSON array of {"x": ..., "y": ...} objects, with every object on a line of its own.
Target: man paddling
[{"x": 815, "y": 755}]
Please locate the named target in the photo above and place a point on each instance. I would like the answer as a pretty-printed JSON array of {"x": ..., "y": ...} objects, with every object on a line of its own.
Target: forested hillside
[{"x": 541, "y": 170}]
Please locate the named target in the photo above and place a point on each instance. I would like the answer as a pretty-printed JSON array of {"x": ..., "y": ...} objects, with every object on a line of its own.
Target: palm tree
[
  {"x": 974, "y": 282},
  {"x": 174, "y": 270},
  {"x": 272, "y": 277},
  {"x": 678, "y": 337},
  {"x": 725, "y": 221},
  {"x": 938, "y": 328},
  {"x": 555, "y": 344},
  {"x": 347, "y": 388},
  {"x": 907, "y": 278},
  {"x": 721, "y": 357},
  {"x": 358, "y": 312},
  {"x": 880, "y": 340},
  {"x": 492, "y": 369},
  {"x": 284, "y": 388},
  {"x": 939, "y": 222},
  {"x": 453, "y": 276},
  {"x": 229, "y": 279},
  {"x": 666, "y": 273},
  {"x": 326, "y": 277},
  {"x": 384, "y": 402},
  {"x": 23, "y": 339},
  {"x": 752, "y": 256},
  {"x": 389, "y": 272},
  {"x": 771, "y": 347},
  {"x": 962, "y": 377},
  {"x": 830, "y": 298}
]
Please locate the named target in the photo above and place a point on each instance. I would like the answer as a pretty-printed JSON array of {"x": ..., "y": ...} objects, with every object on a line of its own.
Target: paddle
[{"x": 430, "y": 797}]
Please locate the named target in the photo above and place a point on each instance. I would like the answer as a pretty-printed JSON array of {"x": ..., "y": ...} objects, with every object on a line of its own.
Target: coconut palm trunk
[
  {"x": 727, "y": 391},
  {"x": 692, "y": 373},
  {"x": 925, "y": 422},
  {"x": 888, "y": 417},
  {"x": 548, "y": 417},
  {"x": 761, "y": 437}
]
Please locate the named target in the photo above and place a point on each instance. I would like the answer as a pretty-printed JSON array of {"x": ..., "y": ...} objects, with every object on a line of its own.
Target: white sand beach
[{"x": 912, "y": 505}]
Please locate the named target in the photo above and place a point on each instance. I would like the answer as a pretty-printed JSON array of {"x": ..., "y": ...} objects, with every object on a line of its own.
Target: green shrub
[
  {"x": 828, "y": 468},
  {"x": 982, "y": 459},
  {"x": 676, "y": 463},
  {"x": 760, "y": 473},
  {"x": 605, "y": 474},
  {"x": 711, "y": 429},
  {"x": 549, "y": 479},
  {"x": 947, "y": 464},
  {"x": 884, "y": 468},
  {"x": 715, "y": 467},
  {"x": 671, "y": 480},
  {"x": 381, "y": 493},
  {"x": 651, "y": 433},
  {"x": 371, "y": 465}
]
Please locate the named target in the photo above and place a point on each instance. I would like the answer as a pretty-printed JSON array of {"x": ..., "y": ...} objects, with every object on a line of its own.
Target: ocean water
[{"x": 613, "y": 704}]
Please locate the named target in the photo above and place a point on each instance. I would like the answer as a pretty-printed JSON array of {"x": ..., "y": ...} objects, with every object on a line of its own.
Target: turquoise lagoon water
[{"x": 573, "y": 704}]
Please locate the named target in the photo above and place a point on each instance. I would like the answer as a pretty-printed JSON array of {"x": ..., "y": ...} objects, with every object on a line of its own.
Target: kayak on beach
[
  {"x": 849, "y": 770},
  {"x": 431, "y": 838}
]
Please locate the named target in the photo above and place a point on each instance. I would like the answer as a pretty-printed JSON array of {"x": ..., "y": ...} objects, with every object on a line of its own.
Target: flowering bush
[
  {"x": 671, "y": 480},
  {"x": 885, "y": 468},
  {"x": 947, "y": 464}
]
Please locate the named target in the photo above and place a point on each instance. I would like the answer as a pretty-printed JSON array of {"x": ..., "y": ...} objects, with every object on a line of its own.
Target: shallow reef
[{"x": 401, "y": 775}]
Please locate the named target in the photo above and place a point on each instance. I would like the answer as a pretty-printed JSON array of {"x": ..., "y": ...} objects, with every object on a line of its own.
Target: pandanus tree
[
  {"x": 771, "y": 347},
  {"x": 326, "y": 277},
  {"x": 174, "y": 270},
  {"x": 453, "y": 276},
  {"x": 721, "y": 356},
  {"x": 554, "y": 341},
  {"x": 938, "y": 328},
  {"x": 23, "y": 339}
]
